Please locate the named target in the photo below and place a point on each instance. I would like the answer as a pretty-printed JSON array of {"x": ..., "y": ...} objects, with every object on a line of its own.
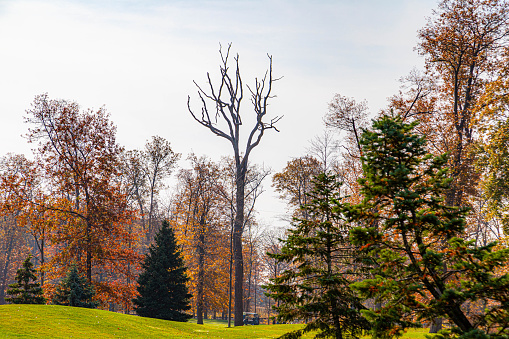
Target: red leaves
[{"x": 80, "y": 206}]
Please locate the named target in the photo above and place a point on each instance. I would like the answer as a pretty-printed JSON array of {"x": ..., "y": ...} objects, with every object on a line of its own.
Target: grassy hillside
[{"x": 48, "y": 321}]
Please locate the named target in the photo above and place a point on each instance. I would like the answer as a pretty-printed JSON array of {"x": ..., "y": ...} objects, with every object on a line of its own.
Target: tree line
[{"x": 84, "y": 201}]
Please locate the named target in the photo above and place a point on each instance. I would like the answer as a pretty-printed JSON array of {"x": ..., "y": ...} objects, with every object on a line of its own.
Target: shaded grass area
[{"x": 49, "y": 321}]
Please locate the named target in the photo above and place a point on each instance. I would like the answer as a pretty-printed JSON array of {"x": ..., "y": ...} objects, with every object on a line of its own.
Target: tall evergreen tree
[
  {"x": 162, "y": 286},
  {"x": 25, "y": 290},
  {"x": 425, "y": 270},
  {"x": 316, "y": 286},
  {"x": 75, "y": 290}
]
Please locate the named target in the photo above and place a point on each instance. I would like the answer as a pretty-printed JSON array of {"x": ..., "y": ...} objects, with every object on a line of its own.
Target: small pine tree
[
  {"x": 24, "y": 291},
  {"x": 162, "y": 286},
  {"x": 75, "y": 290},
  {"x": 316, "y": 286}
]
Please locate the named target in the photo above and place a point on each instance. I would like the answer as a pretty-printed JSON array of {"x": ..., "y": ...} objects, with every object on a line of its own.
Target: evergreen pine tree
[
  {"x": 424, "y": 268},
  {"x": 24, "y": 291},
  {"x": 75, "y": 290},
  {"x": 316, "y": 286},
  {"x": 162, "y": 285}
]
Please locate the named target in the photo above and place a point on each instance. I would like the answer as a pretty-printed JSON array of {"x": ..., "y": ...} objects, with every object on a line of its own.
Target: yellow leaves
[{"x": 201, "y": 225}]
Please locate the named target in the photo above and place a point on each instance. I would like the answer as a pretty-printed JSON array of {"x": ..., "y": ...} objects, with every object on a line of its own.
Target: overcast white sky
[{"x": 139, "y": 58}]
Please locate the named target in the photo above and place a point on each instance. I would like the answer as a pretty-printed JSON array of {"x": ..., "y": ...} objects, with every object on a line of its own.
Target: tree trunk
[
  {"x": 230, "y": 279},
  {"x": 450, "y": 199},
  {"x": 239, "y": 277},
  {"x": 89, "y": 254},
  {"x": 268, "y": 311},
  {"x": 248, "y": 297},
  {"x": 3, "y": 282},
  {"x": 150, "y": 233},
  {"x": 338, "y": 332},
  {"x": 201, "y": 275},
  {"x": 436, "y": 325},
  {"x": 255, "y": 288},
  {"x": 237, "y": 244},
  {"x": 42, "y": 259}
]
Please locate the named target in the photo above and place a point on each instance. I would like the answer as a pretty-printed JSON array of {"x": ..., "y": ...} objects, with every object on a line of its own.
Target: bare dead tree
[{"x": 226, "y": 100}]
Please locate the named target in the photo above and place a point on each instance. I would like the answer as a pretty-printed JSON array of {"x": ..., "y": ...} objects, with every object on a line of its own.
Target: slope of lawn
[{"x": 48, "y": 321}]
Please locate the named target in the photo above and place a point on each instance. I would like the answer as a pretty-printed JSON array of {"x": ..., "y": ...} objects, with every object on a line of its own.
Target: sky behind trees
[{"x": 139, "y": 59}]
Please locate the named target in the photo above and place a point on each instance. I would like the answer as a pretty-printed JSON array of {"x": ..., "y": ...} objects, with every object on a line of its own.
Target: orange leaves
[
  {"x": 201, "y": 225},
  {"x": 366, "y": 246},
  {"x": 464, "y": 85},
  {"x": 82, "y": 202}
]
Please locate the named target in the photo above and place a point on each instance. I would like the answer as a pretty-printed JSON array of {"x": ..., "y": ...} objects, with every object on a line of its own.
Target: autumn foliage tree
[
  {"x": 21, "y": 181},
  {"x": 493, "y": 162},
  {"x": 492, "y": 147},
  {"x": 348, "y": 118},
  {"x": 145, "y": 172},
  {"x": 12, "y": 249},
  {"x": 13, "y": 244},
  {"x": 294, "y": 182},
  {"x": 465, "y": 45},
  {"x": 201, "y": 227},
  {"x": 79, "y": 158}
]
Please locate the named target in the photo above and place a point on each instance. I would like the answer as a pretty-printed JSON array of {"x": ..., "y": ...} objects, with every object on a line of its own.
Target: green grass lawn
[{"x": 48, "y": 321}]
